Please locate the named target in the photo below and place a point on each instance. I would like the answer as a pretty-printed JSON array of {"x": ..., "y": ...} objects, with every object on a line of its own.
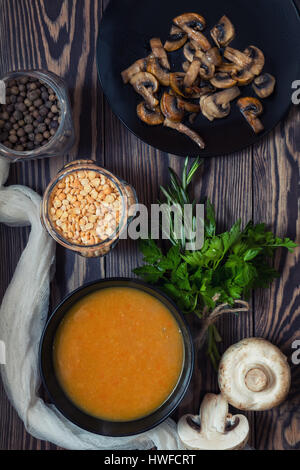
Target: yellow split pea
[{"x": 85, "y": 207}]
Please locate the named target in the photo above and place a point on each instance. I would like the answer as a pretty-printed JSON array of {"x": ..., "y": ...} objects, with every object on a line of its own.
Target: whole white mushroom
[{"x": 254, "y": 375}]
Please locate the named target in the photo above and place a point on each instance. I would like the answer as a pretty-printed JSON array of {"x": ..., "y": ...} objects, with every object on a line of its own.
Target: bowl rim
[{"x": 98, "y": 425}]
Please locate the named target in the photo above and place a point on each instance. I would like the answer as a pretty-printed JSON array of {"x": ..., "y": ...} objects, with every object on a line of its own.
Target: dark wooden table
[{"x": 260, "y": 183}]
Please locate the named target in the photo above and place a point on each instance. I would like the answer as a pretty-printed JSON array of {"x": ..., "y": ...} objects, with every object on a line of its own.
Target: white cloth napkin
[{"x": 23, "y": 314}]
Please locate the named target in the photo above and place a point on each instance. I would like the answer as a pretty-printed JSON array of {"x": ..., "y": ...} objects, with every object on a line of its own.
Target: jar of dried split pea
[{"x": 85, "y": 208}]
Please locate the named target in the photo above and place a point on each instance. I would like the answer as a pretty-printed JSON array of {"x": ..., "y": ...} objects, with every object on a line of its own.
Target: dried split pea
[{"x": 85, "y": 207}]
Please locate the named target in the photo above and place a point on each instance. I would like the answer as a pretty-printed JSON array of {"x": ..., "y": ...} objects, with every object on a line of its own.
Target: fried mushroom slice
[
  {"x": 257, "y": 59},
  {"x": 185, "y": 66},
  {"x": 251, "y": 108},
  {"x": 159, "y": 52},
  {"x": 192, "y": 73},
  {"x": 145, "y": 84},
  {"x": 189, "y": 51},
  {"x": 171, "y": 108},
  {"x": 158, "y": 70},
  {"x": 264, "y": 85},
  {"x": 207, "y": 68},
  {"x": 188, "y": 105},
  {"x": 243, "y": 77},
  {"x": 138, "y": 66},
  {"x": 178, "y": 126},
  {"x": 214, "y": 56},
  {"x": 227, "y": 67},
  {"x": 152, "y": 117},
  {"x": 176, "y": 83},
  {"x": 176, "y": 39},
  {"x": 237, "y": 57},
  {"x": 217, "y": 105},
  {"x": 203, "y": 88},
  {"x": 223, "y": 32},
  {"x": 193, "y": 24},
  {"x": 223, "y": 80}
]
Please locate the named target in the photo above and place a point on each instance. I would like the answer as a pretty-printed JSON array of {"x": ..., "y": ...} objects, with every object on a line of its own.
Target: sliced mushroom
[
  {"x": 227, "y": 67},
  {"x": 192, "y": 73},
  {"x": 171, "y": 108},
  {"x": 152, "y": 117},
  {"x": 214, "y": 428},
  {"x": 193, "y": 24},
  {"x": 138, "y": 66},
  {"x": 159, "y": 52},
  {"x": 158, "y": 70},
  {"x": 146, "y": 85},
  {"x": 223, "y": 80},
  {"x": 237, "y": 57},
  {"x": 257, "y": 59},
  {"x": 189, "y": 51},
  {"x": 264, "y": 85},
  {"x": 176, "y": 40},
  {"x": 188, "y": 105},
  {"x": 223, "y": 33},
  {"x": 203, "y": 88},
  {"x": 217, "y": 105},
  {"x": 254, "y": 375},
  {"x": 207, "y": 68},
  {"x": 176, "y": 83},
  {"x": 214, "y": 56},
  {"x": 251, "y": 108},
  {"x": 243, "y": 77},
  {"x": 178, "y": 126},
  {"x": 185, "y": 66}
]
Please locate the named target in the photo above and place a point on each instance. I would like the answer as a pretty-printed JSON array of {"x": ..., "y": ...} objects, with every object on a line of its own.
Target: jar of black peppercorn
[{"x": 36, "y": 120}]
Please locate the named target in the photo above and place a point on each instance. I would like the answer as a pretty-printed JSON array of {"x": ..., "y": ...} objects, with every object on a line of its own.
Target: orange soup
[{"x": 118, "y": 353}]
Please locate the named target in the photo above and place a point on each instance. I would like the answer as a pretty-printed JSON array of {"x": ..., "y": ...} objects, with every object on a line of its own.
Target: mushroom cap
[
  {"x": 146, "y": 85},
  {"x": 257, "y": 57},
  {"x": 171, "y": 108},
  {"x": 151, "y": 116},
  {"x": 217, "y": 105},
  {"x": 158, "y": 70},
  {"x": 223, "y": 32},
  {"x": 264, "y": 85},
  {"x": 213, "y": 428},
  {"x": 214, "y": 56},
  {"x": 193, "y": 24},
  {"x": 243, "y": 77},
  {"x": 176, "y": 39},
  {"x": 189, "y": 51},
  {"x": 251, "y": 108},
  {"x": 223, "y": 80},
  {"x": 159, "y": 52},
  {"x": 254, "y": 375}
]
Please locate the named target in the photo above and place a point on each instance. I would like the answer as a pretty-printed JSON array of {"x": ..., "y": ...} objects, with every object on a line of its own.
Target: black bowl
[{"x": 68, "y": 408}]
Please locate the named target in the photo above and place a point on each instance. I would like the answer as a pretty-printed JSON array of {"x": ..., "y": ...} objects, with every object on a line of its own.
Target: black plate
[
  {"x": 127, "y": 27},
  {"x": 69, "y": 409}
]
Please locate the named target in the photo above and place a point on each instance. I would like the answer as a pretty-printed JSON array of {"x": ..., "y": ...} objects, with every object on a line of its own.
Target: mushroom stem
[{"x": 256, "y": 379}]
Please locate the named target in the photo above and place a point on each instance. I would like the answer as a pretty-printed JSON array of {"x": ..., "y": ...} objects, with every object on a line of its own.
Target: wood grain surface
[{"x": 260, "y": 183}]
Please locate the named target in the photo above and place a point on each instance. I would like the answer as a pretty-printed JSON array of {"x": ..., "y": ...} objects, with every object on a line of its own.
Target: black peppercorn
[{"x": 31, "y": 115}]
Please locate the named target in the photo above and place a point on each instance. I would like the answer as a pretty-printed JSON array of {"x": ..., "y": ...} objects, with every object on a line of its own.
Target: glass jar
[
  {"x": 64, "y": 138},
  {"x": 128, "y": 200}
]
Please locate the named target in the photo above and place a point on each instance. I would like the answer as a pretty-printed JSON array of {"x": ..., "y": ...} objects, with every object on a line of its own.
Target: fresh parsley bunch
[{"x": 221, "y": 274}]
